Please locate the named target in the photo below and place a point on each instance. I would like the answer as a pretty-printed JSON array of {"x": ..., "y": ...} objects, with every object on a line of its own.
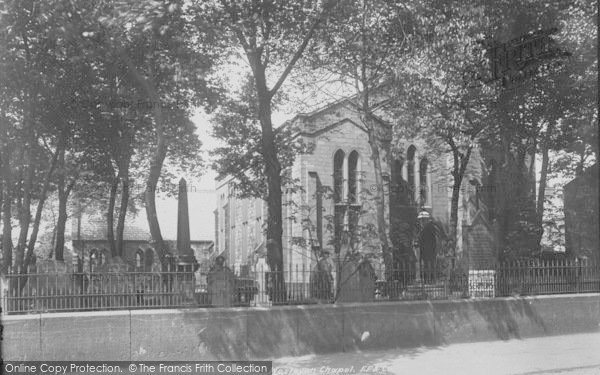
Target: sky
[{"x": 202, "y": 198}]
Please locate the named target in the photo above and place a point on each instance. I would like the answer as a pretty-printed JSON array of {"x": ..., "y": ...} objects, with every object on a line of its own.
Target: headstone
[
  {"x": 480, "y": 242},
  {"x": 357, "y": 282},
  {"x": 221, "y": 284},
  {"x": 321, "y": 282}
]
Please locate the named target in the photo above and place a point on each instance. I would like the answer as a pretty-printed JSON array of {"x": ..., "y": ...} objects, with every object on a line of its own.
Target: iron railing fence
[
  {"x": 45, "y": 292},
  {"x": 329, "y": 283}
]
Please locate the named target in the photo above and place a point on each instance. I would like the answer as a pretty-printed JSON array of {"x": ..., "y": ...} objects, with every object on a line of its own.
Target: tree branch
[{"x": 330, "y": 4}]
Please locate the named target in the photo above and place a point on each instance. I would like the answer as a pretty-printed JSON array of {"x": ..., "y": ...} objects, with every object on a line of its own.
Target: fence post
[
  {"x": 577, "y": 276},
  {"x": 422, "y": 277},
  {"x": 3, "y": 294}
]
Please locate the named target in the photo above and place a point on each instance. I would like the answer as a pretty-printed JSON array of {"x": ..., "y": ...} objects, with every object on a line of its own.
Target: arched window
[
  {"x": 338, "y": 197},
  {"x": 103, "y": 257},
  {"x": 93, "y": 260},
  {"x": 353, "y": 194},
  {"x": 149, "y": 258},
  {"x": 79, "y": 264},
  {"x": 489, "y": 194},
  {"x": 410, "y": 168},
  {"x": 424, "y": 178},
  {"x": 338, "y": 176},
  {"x": 139, "y": 260},
  {"x": 396, "y": 188},
  {"x": 397, "y": 169},
  {"x": 353, "y": 177}
]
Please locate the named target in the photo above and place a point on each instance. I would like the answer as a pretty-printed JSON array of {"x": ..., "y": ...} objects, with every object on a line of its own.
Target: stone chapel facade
[{"x": 338, "y": 181}]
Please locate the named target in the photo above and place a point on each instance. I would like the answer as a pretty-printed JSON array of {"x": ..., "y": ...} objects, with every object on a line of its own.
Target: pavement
[{"x": 564, "y": 355}]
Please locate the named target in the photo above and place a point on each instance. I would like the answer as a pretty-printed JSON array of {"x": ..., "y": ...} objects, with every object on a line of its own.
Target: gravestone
[
  {"x": 480, "y": 243},
  {"x": 221, "y": 283},
  {"x": 357, "y": 282},
  {"x": 321, "y": 282}
]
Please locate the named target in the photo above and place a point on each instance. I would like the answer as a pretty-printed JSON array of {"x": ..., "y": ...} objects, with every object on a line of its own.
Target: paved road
[{"x": 564, "y": 355}]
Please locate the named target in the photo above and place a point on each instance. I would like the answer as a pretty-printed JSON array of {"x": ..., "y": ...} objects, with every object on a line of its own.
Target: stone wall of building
[{"x": 241, "y": 222}]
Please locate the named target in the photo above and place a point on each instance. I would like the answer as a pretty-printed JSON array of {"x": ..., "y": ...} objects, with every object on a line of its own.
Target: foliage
[
  {"x": 70, "y": 87},
  {"x": 236, "y": 124},
  {"x": 440, "y": 88},
  {"x": 272, "y": 36}
]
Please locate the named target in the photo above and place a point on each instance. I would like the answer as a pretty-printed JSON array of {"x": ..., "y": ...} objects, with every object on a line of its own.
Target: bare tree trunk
[
  {"x": 269, "y": 148},
  {"x": 110, "y": 216},
  {"x": 25, "y": 211},
  {"x": 454, "y": 201},
  {"x": 460, "y": 162},
  {"x": 59, "y": 248},
  {"x": 379, "y": 195},
  {"x": 62, "y": 211},
  {"x": 6, "y": 214},
  {"x": 124, "y": 202},
  {"x": 156, "y": 163},
  {"x": 273, "y": 173},
  {"x": 1, "y": 181},
  {"x": 151, "y": 184},
  {"x": 541, "y": 197},
  {"x": 40, "y": 208},
  {"x": 274, "y": 197},
  {"x": 541, "y": 194},
  {"x": 63, "y": 198}
]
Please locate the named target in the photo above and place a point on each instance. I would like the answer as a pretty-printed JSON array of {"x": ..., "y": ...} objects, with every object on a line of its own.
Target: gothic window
[
  {"x": 338, "y": 176},
  {"x": 353, "y": 176},
  {"x": 338, "y": 194},
  {"x": 139, "y": 260},
  {"x": 424, "y": 178},
  {"x": 340, "y": 211},
  {"x": 397, "y": 170},
  {"x": 490, "y": 197},
  {"x": 353, "y": 195},
  {"x": 149, "y": 258},
  {"x": 410, "y": 168},
  {"x": 93, "y": 260},
  {"x": 103, "y": 257},
  {"x": 353, "y": 220}
]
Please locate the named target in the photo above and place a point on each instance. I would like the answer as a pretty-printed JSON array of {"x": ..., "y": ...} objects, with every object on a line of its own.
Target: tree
[
  {"x": 166, "y": 68},
  {"x": 360, "y": 46},
  {"x": 440, "y": 89},
  {"x": 270, "y": 34},
  {"x": 236, "y": 123},
  {"x": 59, "y": 68},
  {"x": 29, "y": 52},
  {"x": 545, "y": 115}
]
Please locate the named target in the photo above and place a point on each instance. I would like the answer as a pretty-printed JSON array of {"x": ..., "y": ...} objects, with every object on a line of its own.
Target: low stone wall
[{"x": 255, "y": 333}]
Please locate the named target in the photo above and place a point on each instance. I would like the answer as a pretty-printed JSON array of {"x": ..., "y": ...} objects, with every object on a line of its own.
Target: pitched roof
[{"x": 96, "y": 229}]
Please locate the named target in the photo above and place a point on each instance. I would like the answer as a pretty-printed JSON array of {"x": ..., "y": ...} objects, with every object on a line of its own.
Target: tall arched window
[
  {"x": 149, "y": 258},
  {"x": 338, "y": 176},
  {"x": 410, "y": 169},
  {"x": 353, "y": 176},
  {"x": 103, "y": 257},
  {"x": 93, "y": 260},
  {"x": 139, "y": 260},
  {"x": 490, "y": 196},
  {"x": 424, "y": 178},
  {"x": 353, "y": 214},
  {"x": 338, "y": 197},
  {"x": 397, "y": 169}
]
